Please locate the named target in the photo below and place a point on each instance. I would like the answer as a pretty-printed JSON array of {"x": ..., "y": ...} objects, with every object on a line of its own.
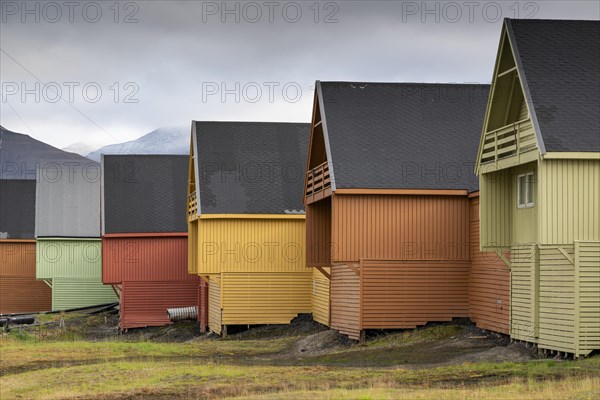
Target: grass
[{"x": 44, "y": 367}]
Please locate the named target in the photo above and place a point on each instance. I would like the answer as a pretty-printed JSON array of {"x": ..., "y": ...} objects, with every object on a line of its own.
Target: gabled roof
[
  {"x": 402, "y": 135},
  {"x": 250, "y": 167},
  {"x": 559, "y": 63},
  {"x": 144, "y": 193},
  {"x": 17, "y": 209},
  {"x": 67, "y": 202}
]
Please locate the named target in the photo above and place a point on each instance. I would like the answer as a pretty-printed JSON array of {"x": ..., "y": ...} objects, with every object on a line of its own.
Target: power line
[{"x": 66, "y": 102}]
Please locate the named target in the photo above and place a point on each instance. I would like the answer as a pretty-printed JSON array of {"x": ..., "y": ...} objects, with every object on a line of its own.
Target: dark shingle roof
[
  {"x": 403, "y": 135},
  {"x": 144, "y": 193},
  {"x": 560, "y": 60},
  {"x": 17, "y": 209},
  {"x": 251, "y": 167}
]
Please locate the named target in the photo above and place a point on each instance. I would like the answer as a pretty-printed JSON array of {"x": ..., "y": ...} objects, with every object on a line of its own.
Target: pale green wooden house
[{"x": 539, "y": 171}]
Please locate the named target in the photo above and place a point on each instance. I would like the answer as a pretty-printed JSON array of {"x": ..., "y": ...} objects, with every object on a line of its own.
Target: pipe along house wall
[
  {"x": 391, "y": 208},
  {"x": 144, "y": 240},
  {"x": 68, "y": 248},
  {"x": 540, "y": 190},
  {"x": 20, "y": 292},
  {"x": 246, "y": 221}
]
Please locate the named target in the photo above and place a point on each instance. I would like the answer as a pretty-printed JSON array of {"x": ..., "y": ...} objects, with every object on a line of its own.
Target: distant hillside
[
  {"x": 20, "y": 155},
  {"x": 172, "y": 140},
  {"x": 83, "y": 149}
]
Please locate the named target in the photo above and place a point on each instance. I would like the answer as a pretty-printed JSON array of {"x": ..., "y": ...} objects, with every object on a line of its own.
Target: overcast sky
[{"x": 98, "y": 73}]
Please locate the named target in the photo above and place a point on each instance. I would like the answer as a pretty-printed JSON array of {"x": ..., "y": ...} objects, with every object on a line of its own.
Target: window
[{"x": 525, "y": 190}]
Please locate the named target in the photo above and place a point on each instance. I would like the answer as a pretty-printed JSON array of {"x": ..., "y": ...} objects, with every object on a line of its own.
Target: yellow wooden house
[
  {"x": 246, "y": 222},
  {"x": 539, "y": 171}
]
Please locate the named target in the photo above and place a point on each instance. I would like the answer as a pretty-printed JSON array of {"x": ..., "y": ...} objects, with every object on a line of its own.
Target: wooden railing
[
  {"x": 318, "y": 183},
  {"x": 192, "y": 209},
  {"x": 507, "y": 141}
]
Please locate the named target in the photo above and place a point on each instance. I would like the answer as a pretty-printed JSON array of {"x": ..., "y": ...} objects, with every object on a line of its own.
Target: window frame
[{"x": 528, "y": 190}]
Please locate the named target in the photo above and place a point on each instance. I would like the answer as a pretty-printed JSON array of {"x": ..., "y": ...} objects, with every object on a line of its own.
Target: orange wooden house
[
  {"x": 392, "y": 208},
  {"x": 20, "y": 292}
]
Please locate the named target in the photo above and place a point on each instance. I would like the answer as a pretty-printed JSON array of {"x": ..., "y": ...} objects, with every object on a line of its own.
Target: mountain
[
  {"x": 21, "y": 154},
  {"x": 83, "y": 149},
  {"x": 172, "y": 140}
]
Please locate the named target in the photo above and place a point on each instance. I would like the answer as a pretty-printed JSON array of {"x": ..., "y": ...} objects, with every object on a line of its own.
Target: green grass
[{"x": 215, "y": 369}]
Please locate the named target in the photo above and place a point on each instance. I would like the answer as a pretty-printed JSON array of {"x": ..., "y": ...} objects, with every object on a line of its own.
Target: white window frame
[{"x": 529, "y": 181}]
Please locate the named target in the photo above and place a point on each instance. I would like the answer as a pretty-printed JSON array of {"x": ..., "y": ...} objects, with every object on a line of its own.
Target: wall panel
[
  {"x": 345, "y": 301},
  {"x": 24, "y": 294},
  {"x": 77, "y": 292},
  {"x": 17, "y": 258},
  {"x": 69, "y": 258},
  {"x": 400, "y": 227},
  {"x": 318, "y": 233},
  {"x": 320, "y": 296}
]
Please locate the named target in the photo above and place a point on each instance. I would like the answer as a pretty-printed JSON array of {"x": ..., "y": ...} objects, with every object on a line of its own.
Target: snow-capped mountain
[
  {"x": 171, "y": 140},
  {"x": 83, "y": 149}
]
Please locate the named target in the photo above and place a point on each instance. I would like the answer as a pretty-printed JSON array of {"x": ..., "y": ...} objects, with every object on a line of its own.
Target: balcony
[
  {"x": 318, "y": 183},
  {"x": 192, "y": 207},
  {"x": 509, "y": 141}
]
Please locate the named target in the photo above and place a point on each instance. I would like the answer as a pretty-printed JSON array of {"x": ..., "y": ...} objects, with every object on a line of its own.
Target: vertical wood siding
[
  {"x": 345, "y": 301},
  {"x": 80, "y": 292},
  {"x": 265, "y": 298},
  {"x": 145, "y": 303},
  {"x": 587, "y": 324},
  {"x": 400, "y": 227},
  {"x": 69, "y": 258},
  {"x": 215, "y": 322},
  {"x": 145, "y": 259},
  {"x": 569, "y": 201},
  {"x": 320, "y": 296},
  {"x": 17, "y": 258},
  {"x": 22, "y": 294},
  {"x": 489, "y": 283},
  {"x": 251, "y": 245},
  {"x": 524, "y": 288},
  {"x": 495, "y": 203},
  {"x": 406, "y": 294},
  {"x": 318, "y": 233}
]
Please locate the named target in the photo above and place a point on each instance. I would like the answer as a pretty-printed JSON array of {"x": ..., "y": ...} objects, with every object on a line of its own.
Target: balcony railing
[
  {"x": 192, "y": 209},
  {"x": 507, "y": 141},
  {"x": 318, "y": 183}
]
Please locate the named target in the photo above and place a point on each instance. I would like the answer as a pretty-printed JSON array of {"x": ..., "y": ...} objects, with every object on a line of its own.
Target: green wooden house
[
  {"x": 539, "y": 170},
  {"x": 68, "y": 244}
]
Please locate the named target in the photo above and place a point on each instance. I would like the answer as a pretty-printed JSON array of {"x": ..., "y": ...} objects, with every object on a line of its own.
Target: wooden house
[
  {"x": 539, "y": 172},
  {"x": 246, "y": 221},
  {"x": 67, "y": 230},
  {"x": 20, "y": 292},
  {"x": 144, "y": 237},
  {"x": 392, "y": 207}
]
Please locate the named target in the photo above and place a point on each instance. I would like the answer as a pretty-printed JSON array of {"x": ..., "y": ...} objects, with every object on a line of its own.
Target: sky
[{"x": 101, "y": 72}]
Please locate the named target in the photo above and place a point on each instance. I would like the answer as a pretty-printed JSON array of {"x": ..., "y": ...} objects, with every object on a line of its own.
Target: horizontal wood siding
[
  {"x": 318, "y": 233},
  {"x": 17, "y": 258},
  {"x": 587, "y": 262},
  {"x": 406, "y": 294},
  {"x": 69, "y": 258},
  {"x": 524, "y": 287},
  {"x": 214, "y": 306},
  {"x": 251, "y": 245},
  {"x": 345, "y": 301},
  {"x": 556, "y": 299},
  {"x": 320, "y": 296},
  {"x": 489, "y": 283},
  {"x": 569, "y": 201},
  {"x": 145, "y": 259},
  {"x": 23, "y": 294},
  {"x": 400, "y": 227},
  {"x": 145, "y": 303},
  {"x": 265, "y": 298},
  {"x": 77, "y": 292}
]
